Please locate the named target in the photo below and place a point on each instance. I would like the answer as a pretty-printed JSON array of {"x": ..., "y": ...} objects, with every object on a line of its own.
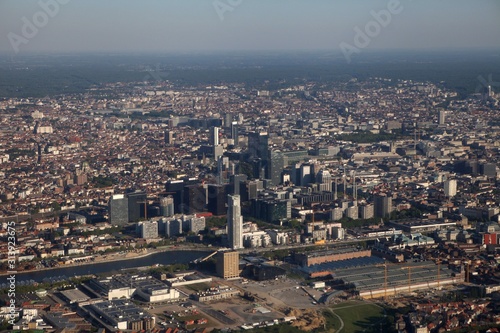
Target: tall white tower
[
  {"x": 234, "y": 222},
  {"x": 214, "y": 136},
  {"x": 450, "y": 188}
]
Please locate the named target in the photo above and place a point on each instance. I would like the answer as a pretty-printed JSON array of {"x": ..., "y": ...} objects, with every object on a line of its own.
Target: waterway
[{"x": 162, "y": 258}]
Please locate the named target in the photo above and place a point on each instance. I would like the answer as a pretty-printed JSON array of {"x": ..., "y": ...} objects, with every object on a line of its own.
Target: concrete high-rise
[
  {"x": 227, "y": 264},
  {"x": 148, "y": 229},
  {"x": 118, "y": 209},
  {"x": 450, "y": 188},
  {"x": 169, "y": 137},
  {"x": 305, "y": 176},
  {"x": 324, "y": 179},
  {"x": 167, "y": 206},
  {"x": 234, "y": 222},
  {"x": 442, "y": 117},
  {"x": 382, "y": 206},
  {"x": 214, "y": 136}
]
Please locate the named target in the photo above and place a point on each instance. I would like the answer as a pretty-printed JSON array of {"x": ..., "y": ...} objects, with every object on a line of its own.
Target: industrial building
[
  {"x": 421, "y": 225},
  {"x": 121, "y": 314},
  {"x": 214, "y": 294},
  {"x": 127, "y": 286},
  {"x": 74, "y": 296},
  {"x": 319, "y": 257},
  {"x": 391, "y": 279}
]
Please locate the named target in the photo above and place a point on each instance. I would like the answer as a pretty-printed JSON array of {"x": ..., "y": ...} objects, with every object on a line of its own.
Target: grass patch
[
  {"x": 332, "y": 322},
  {"x": 358, "y": 316}
]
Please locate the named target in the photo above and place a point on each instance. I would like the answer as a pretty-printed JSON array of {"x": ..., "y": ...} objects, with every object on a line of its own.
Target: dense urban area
[{"x": 359, "y": 205}]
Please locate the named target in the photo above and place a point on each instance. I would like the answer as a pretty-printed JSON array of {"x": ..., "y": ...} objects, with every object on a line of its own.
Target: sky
[{"x": 147, "y": 26}]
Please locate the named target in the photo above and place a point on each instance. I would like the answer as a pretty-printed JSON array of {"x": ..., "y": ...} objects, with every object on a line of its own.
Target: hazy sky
[{"x": 196, "y": 25}]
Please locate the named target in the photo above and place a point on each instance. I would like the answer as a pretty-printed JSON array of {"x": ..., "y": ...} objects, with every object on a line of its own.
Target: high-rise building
[
  {"x": 305, "y": 175},
  {"x": 227, "y": 264},
  {"x": 196, "y": 224},
  {"x": 234, "y": 132},
  {"x": 228, "y": 120},
  {"x": 169, "y": 137},
  {"x": 118, "y": 209},
  {"x": 488, "y": 169},
  {"x": 223, "y": 170},
  {"x": 173, "y": 227},
  {"x": 272, "y": 210},
  {"x": 195, "y": 197},
  {"x": 442, "y": 117},
  {"x": 217, "y": 151},
  {"x": 352, "y": 212},
  {"x": 148, "y": 229},
  {"x": 235, "y": 181},
  {"x": 324, "y": 179},
  {"x": 167, "y": 206},
  {"x": 234, "y": 222},
  {"x": 450, "y": 188},
  {"x": 214, "y": 136},
  {"x": 217, "y": 199},
  {"x": 175, "y": 188},
  {"x": 275, "y": 167},
  {"x": 382, "y": 205},
  {"x": 258, "y": 145},
  {"x": 136, "y": 205},
  {"x": 366, "y": 211}
]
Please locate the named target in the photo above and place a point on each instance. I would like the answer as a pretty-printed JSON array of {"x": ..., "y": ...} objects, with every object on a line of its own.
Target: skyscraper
[
  {"x": 223, "y": 170},
  {"x": 382, "y": 205},
  {"x": 324, "y": 179},
  {"x": 275, "y": 167},
  {"x": 214, "y": 136},
  {"x": 176, "y": 189},
  {"x": 118, "y": 210},
  {"x": 195, "y": 197},
  {"x": 234, "y": 132},
  {"x": 258, "y": 145},
  {"x": 167, "y": 206},
  {"x": 136, "y": 206},
  {"x": 216, "y": 199},
  {"x": 450, "y": 188},
  {"x": 234, "y": 222},
  {"x": 169, "y": 137},
  {"x": 442, "y": 117},
  {"x": 305, "y": 175}
]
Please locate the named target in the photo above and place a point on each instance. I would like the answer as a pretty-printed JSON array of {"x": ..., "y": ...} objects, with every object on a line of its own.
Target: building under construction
[{"x": 393, "y": 279}]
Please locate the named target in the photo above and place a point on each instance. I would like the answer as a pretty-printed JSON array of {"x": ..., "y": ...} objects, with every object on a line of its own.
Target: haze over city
[
  {"x": 266, "y": 166},
  {"x": 219, "y": 25}
]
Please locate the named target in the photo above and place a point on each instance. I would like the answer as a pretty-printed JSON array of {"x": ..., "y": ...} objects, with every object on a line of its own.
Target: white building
[
  {"x": 148, "y": 229},
  {"x": 256, "y": 239},
  {"x": 234, "y": 222},
  {"x": 450, "y": 188}
]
